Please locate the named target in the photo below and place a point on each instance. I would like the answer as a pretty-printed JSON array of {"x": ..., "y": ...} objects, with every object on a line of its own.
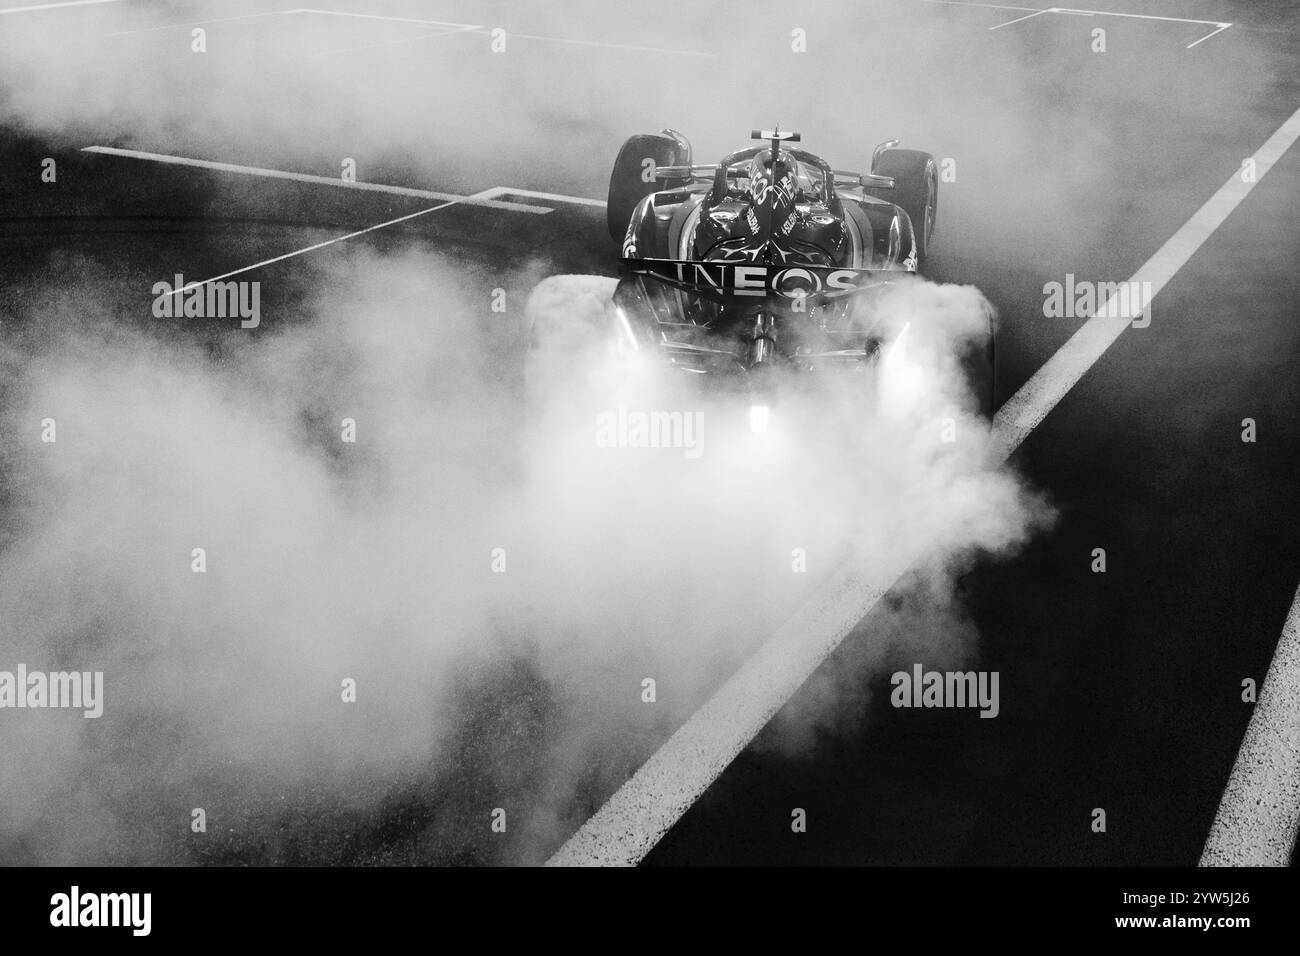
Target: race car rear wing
[{"x": 707, "y": 171}]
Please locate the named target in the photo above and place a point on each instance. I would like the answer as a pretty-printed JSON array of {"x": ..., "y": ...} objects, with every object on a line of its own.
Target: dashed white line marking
[
  {"x": 641, "y": 811},
  {"x": 478, "y": 199},
  {"x": 1259, "y": 814}
]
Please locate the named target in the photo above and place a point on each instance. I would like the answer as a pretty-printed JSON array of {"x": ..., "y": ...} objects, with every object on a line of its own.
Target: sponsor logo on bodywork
[{"x": 727, "y": 278}]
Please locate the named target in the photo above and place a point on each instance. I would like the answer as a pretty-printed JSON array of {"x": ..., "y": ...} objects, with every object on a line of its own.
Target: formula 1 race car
[{"x": 769, "y": 258}]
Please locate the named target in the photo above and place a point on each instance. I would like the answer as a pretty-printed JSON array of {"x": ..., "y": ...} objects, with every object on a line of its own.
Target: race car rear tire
[
  {"x": 627, "y": 185},
  {"x": 916, "y": 189}
]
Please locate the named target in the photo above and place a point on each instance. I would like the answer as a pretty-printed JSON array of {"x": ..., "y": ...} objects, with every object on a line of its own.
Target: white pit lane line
[
  {"x": 1259, "y": 814},
  {"x": 641, "y": 811}
]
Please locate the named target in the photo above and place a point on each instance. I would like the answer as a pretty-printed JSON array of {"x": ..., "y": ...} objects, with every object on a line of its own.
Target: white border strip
[
  {"x": 1259, "y": 814},
  {"x": 641, "y": 811}
]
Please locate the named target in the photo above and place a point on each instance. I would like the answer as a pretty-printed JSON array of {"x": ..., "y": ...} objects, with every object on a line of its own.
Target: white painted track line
[
  {"x": 1136, "y": 16},
  {"x": 510, "y": 35},
  {"x": 57, "y": 6},
  {"x": 1027, "y": 16},
  {"x": 641, "y": 811},
  {"x": 1222, "y": 27},
  {"x": 1147, "y": 16},
  {"x": 196, "y": 23},
  {"x": 1260, "y": 811},
  {"x": 375, "y": 16},
  {"x": 1024, "y": 410},
  {"x": 486, "y": 197},
  {"x": 478, "y": 199},
  {"x": 1073, "y": 11},
  {"x": 390, "y": 43},
  {"x": 634, "y": 819},
  {"x": 496, "y": 191},
  {"x": 311, "y": 248}
]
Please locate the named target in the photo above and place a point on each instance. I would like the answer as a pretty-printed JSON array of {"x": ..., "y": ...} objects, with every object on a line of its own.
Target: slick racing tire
[
  {"x": 627, "y": 185},
  {"x": 916, "y": 189}
]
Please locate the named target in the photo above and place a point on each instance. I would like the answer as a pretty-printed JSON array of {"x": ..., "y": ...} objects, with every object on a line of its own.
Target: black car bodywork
[{"x": 768, "y": 256}]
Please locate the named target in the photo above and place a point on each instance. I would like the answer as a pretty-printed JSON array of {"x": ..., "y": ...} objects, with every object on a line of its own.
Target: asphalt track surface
[{"x": 1120, "y": 690}]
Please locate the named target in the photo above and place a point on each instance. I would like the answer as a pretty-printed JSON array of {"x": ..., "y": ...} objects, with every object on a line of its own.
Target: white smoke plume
[{"x": 373, "y": 560}]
